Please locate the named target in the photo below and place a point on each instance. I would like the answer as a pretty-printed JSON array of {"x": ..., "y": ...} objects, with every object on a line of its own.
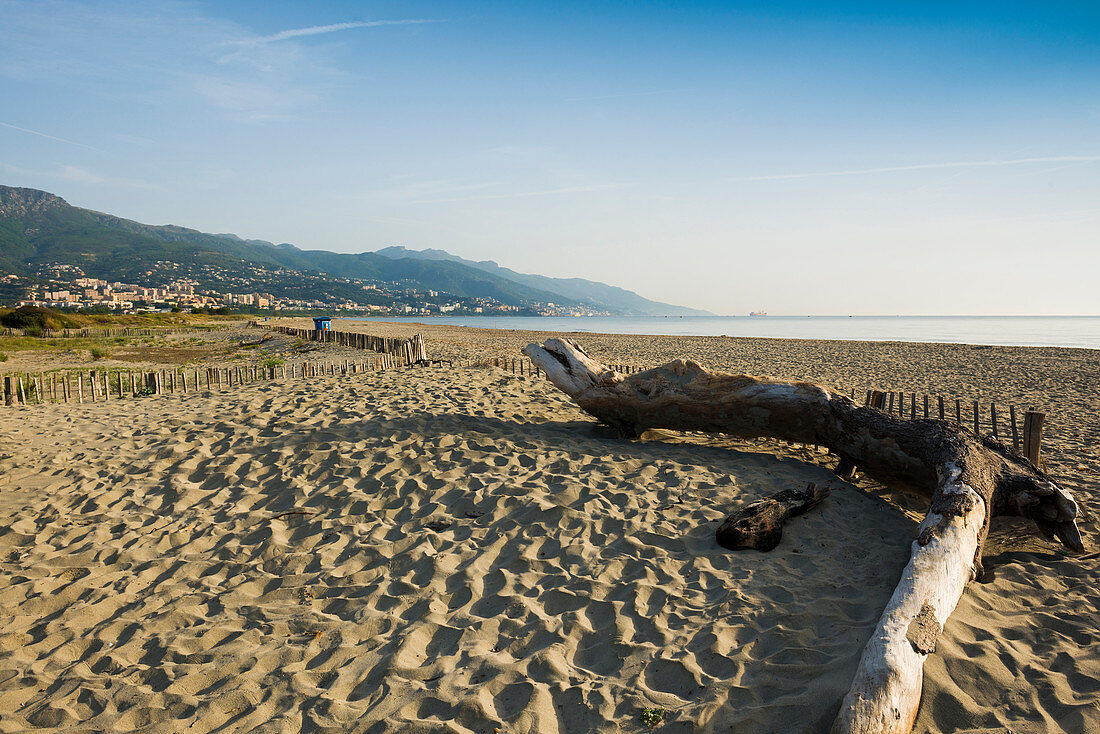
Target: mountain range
[{"x": 38, "y": 229}]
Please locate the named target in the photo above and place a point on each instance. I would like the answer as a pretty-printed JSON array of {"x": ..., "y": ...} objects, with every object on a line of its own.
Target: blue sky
[{"x": 800, "y": 157}]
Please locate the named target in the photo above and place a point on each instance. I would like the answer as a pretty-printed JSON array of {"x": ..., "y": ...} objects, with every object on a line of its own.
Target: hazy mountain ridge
[
  {"x": 587, "y": 292},
  {"x": 37, "y": 228}
]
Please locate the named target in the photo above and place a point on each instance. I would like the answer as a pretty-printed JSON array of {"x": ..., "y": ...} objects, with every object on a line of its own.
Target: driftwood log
[
  {"x": 969, "y": 478},
  {"x": 759, "y": 525}
]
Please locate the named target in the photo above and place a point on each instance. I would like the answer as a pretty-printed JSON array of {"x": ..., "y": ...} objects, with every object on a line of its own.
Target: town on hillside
[{"x": 66, "y": 286}]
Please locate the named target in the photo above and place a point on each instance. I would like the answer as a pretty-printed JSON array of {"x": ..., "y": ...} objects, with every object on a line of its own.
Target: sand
[
  {"x": 464, "y": 550},
  {"x": 1063, "y": 383}
]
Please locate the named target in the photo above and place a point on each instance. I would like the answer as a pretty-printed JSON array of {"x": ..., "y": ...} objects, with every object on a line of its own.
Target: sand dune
[
  {"x": 445, "y": 550},
  {"x": 464, "y": 550}
]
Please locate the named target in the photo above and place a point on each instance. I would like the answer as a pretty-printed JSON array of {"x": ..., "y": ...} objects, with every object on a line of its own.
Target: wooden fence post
[
  {"x": 9, "y": 390},
  {"x": 878, "y": 399},
  {"x": 1015, "y": 432},
  {"x": 1033, "y": 435}
]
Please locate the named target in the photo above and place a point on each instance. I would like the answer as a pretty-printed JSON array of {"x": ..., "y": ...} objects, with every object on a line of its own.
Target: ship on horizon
[{"x": 761, "y": 312}]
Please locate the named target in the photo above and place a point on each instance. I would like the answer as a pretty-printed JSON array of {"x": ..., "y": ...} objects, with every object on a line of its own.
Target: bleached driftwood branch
[{"x": 970, "y": 479}]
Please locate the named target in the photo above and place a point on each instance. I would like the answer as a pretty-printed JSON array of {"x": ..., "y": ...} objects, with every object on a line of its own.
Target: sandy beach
[{"x": 462, "y": 549}]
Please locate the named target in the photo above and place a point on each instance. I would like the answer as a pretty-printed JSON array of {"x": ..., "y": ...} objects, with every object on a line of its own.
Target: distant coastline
[{"x": 1076, "y": 332}]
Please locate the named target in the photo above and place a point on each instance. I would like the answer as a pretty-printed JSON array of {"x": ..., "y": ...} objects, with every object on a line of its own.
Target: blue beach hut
[{"x": 322, "y": 323}]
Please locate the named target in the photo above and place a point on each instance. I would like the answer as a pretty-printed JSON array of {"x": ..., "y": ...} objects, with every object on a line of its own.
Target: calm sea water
[{"x": 1032, "y": 331}]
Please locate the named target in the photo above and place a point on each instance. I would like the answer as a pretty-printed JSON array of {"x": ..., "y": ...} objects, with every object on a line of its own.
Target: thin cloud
[
  {"x": 78, "y": 175},
  {"x": 332, "y": 28},
  {"x": 921, "y": 167},
  {"x": 48, "y": 137}
]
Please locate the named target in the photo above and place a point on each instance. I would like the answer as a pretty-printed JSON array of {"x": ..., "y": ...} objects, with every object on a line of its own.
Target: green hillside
[{"x": 39, "y": 229}]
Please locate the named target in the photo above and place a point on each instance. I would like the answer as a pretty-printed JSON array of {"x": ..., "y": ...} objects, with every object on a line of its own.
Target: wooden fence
[
  {"x": 91, "y": 386},
  {"x": 105, "y": 332},
  {"x": 409, "y": 351},
  {"x": 1026, "y": 439},
  {"x": 1022, "y": 428}
]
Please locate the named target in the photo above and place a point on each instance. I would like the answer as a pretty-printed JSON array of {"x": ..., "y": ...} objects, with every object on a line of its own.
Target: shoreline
[
  {"x": 564, "y": 324},
  {"x": 703, "y": 336}
]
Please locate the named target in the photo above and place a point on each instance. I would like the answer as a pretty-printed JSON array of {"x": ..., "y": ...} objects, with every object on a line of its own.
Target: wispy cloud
[
  {"x": 46, "y": 135},
  {"x": 77, "y": 174},
  {"x": 132, "y": 51},
  {"x": 921, "y": 167},
  {"x": 332, "y": 28}
]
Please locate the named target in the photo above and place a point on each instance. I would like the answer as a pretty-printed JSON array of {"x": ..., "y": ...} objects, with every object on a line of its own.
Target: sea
[{"x": 1028, "y": 331}]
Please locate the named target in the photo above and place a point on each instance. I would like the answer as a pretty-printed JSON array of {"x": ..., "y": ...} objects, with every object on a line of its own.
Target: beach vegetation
[
  {"x": 651, "y": 717},
  {"x": 3, "y": 357},
  {"x": 35, "y": 319},
  {"x": 98, "y": 353},
  {"x": 273, "y": 362}
]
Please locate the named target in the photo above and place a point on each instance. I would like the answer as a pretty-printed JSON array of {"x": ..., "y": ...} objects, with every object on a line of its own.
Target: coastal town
[{"x": 63, "y": 286}]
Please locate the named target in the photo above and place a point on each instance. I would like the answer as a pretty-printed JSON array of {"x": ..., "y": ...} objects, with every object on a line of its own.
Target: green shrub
[
  {"x": 273, "y": 361},
  {"x": 651, "y": 717},
  {"x": 3, "y": 357},
  {"x": 36, "y": 318},
  {"x": 98, "y": 352}
]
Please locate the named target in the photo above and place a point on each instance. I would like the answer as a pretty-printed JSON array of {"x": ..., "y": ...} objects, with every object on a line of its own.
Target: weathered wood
[
  {"x": 970, "y": 479},
  {"x": 759, "y": 524},
  {"x": 1033, "y": 435},
  {"x": 1015, "y": 431},
  {"x": 846, "y": 469},
  {"x": 878, "y": 399}
]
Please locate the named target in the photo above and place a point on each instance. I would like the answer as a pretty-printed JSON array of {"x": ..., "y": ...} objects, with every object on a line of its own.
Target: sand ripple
[{"x": 423, "y": 551}]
